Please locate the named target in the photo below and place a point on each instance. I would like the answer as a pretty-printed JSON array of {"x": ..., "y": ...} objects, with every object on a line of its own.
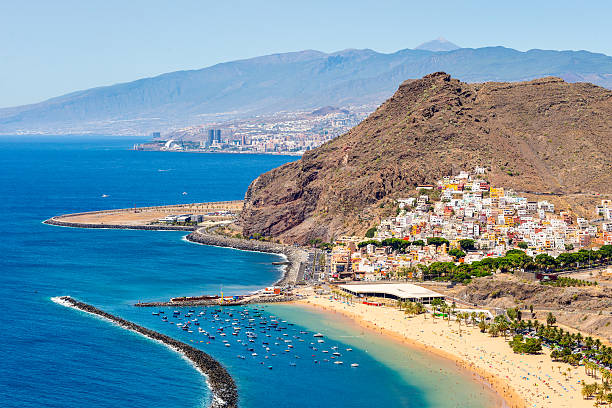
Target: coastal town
[
  {"x": 291, "y": 133},
  {"x": 407, "y": 266},
  {"x": 464, "y": 220}
]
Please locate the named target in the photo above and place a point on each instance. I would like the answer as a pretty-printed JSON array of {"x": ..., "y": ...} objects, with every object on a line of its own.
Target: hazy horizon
[{"x": 59, "y": 48}]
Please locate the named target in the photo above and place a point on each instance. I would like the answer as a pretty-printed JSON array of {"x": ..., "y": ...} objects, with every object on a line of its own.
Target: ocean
[{"x": 59, "y": 357}]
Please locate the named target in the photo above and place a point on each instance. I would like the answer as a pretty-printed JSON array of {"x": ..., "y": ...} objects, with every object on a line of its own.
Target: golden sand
[{"x": 522, "y": 380}]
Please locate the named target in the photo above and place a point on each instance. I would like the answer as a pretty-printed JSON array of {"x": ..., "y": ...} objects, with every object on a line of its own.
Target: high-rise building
[
  {"x": 211, "y": 136},
  {"x": 243, "y": 140},
  {"x": 218, "y": 135}
]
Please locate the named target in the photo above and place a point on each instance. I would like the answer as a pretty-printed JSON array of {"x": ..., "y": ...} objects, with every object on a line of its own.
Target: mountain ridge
[
  {"x": 303, "y": 80},
  {"x": 439, "y": 44},
  {"x": 543, "y": 136}
]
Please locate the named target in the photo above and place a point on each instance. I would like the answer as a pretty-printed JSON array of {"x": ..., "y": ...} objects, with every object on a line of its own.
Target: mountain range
[
  {"x": 304, "y": 80},
  {"x": 545, "y": 138}
]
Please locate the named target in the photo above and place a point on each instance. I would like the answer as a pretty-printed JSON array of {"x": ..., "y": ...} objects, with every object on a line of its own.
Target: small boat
[
  {"x": 105, "y": 195},
  {"x": 349, "y": 349},
  {"x": 317, "y": 335},
  {"x": 336, "y": 354},
  {"x": 155, "y": 313},
  {"x": 184, "y": 193},
  {"x": 338, "y": 362},
  {"x": 354, "y": 365}
]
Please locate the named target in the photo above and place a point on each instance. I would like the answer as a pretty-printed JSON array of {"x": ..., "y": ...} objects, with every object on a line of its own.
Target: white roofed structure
[{"x": 399, "y": 291}]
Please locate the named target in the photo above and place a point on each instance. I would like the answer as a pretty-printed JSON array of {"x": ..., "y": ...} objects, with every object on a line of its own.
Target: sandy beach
[{"x": 522, "y": 380}]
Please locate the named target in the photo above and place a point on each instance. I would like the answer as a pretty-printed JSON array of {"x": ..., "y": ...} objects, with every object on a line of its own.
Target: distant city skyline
[{"x": 53, "y": 48}]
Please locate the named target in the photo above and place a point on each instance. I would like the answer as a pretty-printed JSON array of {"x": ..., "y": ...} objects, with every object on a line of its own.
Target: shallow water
[{"x": 58, "y": 357}]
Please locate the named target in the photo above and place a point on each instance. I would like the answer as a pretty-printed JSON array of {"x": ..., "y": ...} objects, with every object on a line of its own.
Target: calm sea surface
[{"x": 53, "y": 356}]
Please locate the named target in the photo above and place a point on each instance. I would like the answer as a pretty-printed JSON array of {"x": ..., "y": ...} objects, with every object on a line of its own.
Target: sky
[{"x": 50, "y": 48}]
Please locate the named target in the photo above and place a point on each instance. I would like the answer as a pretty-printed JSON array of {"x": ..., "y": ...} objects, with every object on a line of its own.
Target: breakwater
[
  {"x": 58, "y": 222},
  {"x": 247, "y": 300},
  {"x": 222, "y": 385},
  {"x": 296, "y": 256}
]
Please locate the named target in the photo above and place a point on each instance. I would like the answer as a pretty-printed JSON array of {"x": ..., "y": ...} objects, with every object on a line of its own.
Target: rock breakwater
[
  {"x": 296, "y": 256},
  {"x": 222, "y": 385}
]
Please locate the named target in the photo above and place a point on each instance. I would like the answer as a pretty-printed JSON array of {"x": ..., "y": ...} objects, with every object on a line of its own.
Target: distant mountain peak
[{"x": 439, "y": 44}]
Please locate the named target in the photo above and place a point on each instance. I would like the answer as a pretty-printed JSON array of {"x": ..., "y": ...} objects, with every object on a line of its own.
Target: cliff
[{"x": 544, "y": 136}]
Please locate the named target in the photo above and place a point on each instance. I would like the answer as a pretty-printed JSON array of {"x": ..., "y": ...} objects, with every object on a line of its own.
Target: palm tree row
[
  {"x": 411, "y": 308},
  {"x": 341, "y": 295}
]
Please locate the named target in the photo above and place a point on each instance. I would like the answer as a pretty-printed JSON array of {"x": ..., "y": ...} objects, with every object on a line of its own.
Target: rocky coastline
[
  {"x": 296, "y": 256},
  {"x": 58, "y": 222},
  {"x": 222, "y": 385}
]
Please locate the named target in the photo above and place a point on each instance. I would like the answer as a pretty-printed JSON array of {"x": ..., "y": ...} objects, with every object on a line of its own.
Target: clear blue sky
[{"x": 49, "y": 48}]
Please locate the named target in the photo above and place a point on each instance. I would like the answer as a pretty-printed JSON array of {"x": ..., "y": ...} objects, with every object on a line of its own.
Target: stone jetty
[
  {"x": 296, "y": 256},
  {"x": 222, "y": 385},
  {"x": 249, "y": 299}
]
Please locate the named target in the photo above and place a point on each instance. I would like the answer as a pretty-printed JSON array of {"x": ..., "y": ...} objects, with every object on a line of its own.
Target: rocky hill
[
  {"x": 584, "y": 308},
  {"x": 544, "y": 136}
]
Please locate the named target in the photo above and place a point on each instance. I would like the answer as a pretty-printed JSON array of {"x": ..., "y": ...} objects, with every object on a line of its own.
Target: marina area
[
  {"x": 115, "y": 268},
  {"x": 237, "y": 321},
  {"x": 242, "y": 324}
]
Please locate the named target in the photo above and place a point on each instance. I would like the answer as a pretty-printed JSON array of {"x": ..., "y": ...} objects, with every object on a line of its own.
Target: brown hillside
[{"x": 543, "y": 136}]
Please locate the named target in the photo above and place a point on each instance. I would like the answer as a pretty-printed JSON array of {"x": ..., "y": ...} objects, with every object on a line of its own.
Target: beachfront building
[{"x": 405, "y": 292}]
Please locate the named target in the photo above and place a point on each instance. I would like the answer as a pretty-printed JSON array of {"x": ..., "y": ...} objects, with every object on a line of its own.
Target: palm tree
[
  {"x": 503, "y": 327},
  {"x": 586, "y": 391}
]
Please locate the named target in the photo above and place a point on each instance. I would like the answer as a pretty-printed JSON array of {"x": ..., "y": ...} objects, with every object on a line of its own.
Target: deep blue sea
[{"x": 53, "y": 356}]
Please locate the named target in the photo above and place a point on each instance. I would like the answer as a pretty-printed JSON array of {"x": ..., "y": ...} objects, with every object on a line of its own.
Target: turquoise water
[{"x": 58, "y": 357}]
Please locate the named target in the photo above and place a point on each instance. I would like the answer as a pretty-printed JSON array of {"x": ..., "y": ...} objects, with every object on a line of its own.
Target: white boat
[
  {"x": 317, "y": 335},
  {"x": 104, "y": 195},
  {"x": 354, "y": 365},
  {"x": 338, "y": 362}
]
